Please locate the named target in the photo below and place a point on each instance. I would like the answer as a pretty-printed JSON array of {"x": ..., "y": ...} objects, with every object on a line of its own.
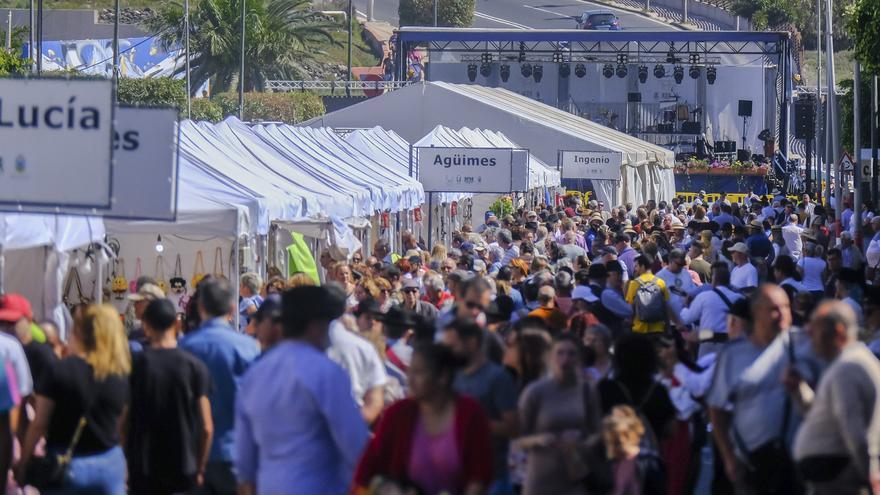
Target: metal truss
[{"x": 332, "y": 86}]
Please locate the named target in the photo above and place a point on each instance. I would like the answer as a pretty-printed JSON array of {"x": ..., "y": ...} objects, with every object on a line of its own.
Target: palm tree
[{"x": 280, "y": 34}]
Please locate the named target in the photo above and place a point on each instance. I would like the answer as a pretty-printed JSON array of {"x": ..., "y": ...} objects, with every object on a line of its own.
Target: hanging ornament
[
  {"x": 417, "y": 215},
  {"x": 453, "y": 208}
]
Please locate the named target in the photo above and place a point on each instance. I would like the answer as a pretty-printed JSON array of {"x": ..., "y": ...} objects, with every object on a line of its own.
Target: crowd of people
[{"x": 672, "y": 348}]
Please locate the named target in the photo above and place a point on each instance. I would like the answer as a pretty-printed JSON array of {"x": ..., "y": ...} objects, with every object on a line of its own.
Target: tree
[
  {"x": 864, "y": 17},
  {"x": 450, "y": 13},
  {"x": 280, "y": 34}
]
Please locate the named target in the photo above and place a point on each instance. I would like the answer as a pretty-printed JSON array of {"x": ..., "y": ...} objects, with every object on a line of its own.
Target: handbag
[
  {"x": 132, "y": 284},
  {"x": 74, "y": 281},
  {"x": 218, "y": 263},
  {"x": 159, "y": 274},
  {"x": 119, "y": 285},
  {"x": 50, "y": 471},
  {"x": 198, "y": 270},
  {"x": 177, "y": 282}
]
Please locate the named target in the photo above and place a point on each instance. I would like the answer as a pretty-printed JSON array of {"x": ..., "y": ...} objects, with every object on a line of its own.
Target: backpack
[{"x": 649, "y": 304}]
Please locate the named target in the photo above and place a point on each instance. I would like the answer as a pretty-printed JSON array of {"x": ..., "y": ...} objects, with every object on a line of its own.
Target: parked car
[{"x": 600, "y": 20}]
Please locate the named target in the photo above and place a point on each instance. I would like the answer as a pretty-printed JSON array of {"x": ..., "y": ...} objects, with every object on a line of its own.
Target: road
[{"x": 526, "y": 14}]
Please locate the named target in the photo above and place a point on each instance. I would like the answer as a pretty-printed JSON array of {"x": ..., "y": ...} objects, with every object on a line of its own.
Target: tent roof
[
  {"x": 415, "y": 110},
  {"x": 64, "y": 232}
]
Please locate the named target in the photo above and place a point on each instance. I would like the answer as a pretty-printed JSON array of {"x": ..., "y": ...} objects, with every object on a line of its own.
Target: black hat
[
  {"x": 500, "y": 309},
  {"x": 552, "y": 219},
  {"x": 368, "y": 306},
  {"x": 271, "y": 308},
  {"x": 532, "y": 225},
  {"x": 713, "y": 226},
  {"x": 398, "y": 318},
  {"x": 307, "y": 303},
  {"x": 741, "y": 309}
]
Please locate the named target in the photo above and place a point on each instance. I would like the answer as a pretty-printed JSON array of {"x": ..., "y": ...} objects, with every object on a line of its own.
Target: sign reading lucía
[
  {"x": 465, "y": 169},
  {"x": 599, "y": 165},
  {"x": 56, "y": 140}
]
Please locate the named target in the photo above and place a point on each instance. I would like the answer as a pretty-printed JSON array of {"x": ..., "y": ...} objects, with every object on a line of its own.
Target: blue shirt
[
  {"x": 227, "y": 354},
  {"x": 297, "y": 428}
]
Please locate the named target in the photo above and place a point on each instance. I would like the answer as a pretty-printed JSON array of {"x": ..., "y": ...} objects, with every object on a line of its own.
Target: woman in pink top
[{"x": 435, "y": 440}]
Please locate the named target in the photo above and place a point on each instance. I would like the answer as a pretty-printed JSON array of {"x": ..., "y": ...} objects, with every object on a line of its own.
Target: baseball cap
[
  {"x": 585, "y": 293},
  {"x": 147, "y": 292},
  {"x": 411, "y": 283},
  {"x": 609, "y": 250},
  {"x": 479, "y": 266},
  {"x": 739, "y": 247},
  {"x": 467, "y": 247},
  {"x": 14, "y": 307}
]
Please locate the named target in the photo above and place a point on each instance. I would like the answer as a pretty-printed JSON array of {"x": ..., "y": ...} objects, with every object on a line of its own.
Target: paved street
[{"x": 526, "y": 14}]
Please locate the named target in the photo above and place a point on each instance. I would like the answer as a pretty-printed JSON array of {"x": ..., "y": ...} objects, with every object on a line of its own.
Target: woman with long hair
[
  {"x": 434, "y": 441},
  {"x": 558, "y": 415},
  {"x": 85, "y": 393}
]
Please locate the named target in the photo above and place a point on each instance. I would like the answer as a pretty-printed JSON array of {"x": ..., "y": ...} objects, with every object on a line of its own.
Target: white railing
[{"x": 333, "y": 86}]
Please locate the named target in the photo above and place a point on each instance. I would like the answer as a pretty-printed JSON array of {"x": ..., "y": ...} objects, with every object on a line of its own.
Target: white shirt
[
  {"x": 710, "y": 310},
  {"x": 812, "y": 269},
  {"x": 744, "y": 276},
  {"x": 680, "y": 281},
  {"x": 792, "y": 235},
  {"x": 12, "y": 352},
  {"x": 358, "y": 358}
]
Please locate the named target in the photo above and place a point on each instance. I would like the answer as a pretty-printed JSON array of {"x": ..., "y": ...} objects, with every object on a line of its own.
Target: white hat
[
  {"x": 739, "y": 247},
  {"x": 585, "y": 293}
]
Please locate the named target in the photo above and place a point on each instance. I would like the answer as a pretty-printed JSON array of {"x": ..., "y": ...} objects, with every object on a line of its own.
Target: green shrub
[
  {"x": 289, "y": 108},
  {"x": 205, "y": 109},
  {"x": 450, "y": 13},
  {"x": 158, "y": 91}
]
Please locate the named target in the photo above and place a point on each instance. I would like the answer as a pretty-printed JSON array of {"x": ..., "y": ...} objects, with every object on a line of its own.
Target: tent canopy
[{"x": 415, "y": 110}]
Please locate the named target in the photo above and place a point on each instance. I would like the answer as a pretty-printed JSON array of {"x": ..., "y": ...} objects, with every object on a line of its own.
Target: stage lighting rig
[
  {"x": 694, "y": 71},
  {"x": 504, "y": 71},
  {"x": 659, "y": 71},
  {"x": 580, "y": 70},
  {"x": 608, "y": 70},
  {"x": 538, "y": 72},
  {"x": 472, "y": 72},
  {"x": 678, "y": 74},
  {"x": 621, "y": 70},
  {"x": 711, "y": 74},
  {"x": 564, "y": 70},
  {"x": 643, "y": 74},
  {"x": 526, "y": 69}
]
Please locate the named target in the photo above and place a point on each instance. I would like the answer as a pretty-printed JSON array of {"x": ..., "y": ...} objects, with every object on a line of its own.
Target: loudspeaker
[
  {"x": 634, "y": 97},
  {"x": 666, "y": 128},
  {"x": 743, "y": 155},
  {"x": 804, "y": 119},
  {"x": 745, "y": 108},
  {"x": 690, "y": 127},
  {"x": 725, "y": 146}
]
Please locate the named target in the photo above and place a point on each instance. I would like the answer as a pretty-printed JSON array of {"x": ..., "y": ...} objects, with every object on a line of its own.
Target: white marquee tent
[{"x": 414, "y": 111}]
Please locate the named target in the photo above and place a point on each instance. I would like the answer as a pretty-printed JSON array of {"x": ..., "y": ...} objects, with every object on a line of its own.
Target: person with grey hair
[
  {"x": 838, "y": 443},
  {"x": 851, "y": 255},
  {"x": 564, "y": 283},
  {"x": 791, "y": 233},
  {"x": 496, "y": 254},
  {"x": 250, "y": 300}
]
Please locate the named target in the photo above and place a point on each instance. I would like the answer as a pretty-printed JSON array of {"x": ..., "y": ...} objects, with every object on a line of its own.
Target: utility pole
[
  {"x": 350, "y": 19},
  {"x": 31, "y": 37},
  {"x": 115, "y": 48},
  {"x": 833, "y": 151},
  {"x": 186, "y": 56},
  {"x": 241, "y": 69},
  {"x": 435, "y": 12},
  {"x": 857, "y": 147},
  {"x": 39, "y": 37},
  {"x": 826, "y": 193},
  {"x": 875, "y": 175}
]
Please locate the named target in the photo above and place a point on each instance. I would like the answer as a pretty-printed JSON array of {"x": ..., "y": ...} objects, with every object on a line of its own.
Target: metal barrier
[
  {"x": 709, "y": 198},
  {"x": 333, "y": 86}
]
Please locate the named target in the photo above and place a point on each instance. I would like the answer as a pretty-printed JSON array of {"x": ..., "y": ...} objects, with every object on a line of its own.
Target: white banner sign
[
  {"x": 600, "y": 165},
  {"x": 477, "y": 170},
  {"x": 56, "y": 138}
]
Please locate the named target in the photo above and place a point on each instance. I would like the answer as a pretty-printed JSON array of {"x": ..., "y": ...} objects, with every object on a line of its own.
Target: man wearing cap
[
  {"x": 596, "y": 221},
  {"x": 412, "y": 301},
  {"x": 744, "y": 274},
  {"x": 625, "y": 252},
  {"x": 298, "y": 430},
  {"x": 16, "y": 317},
  {"x": 146, "y": 294},
  {"x": 612, "y": 297},
  {"x": 13, "y": 309}
]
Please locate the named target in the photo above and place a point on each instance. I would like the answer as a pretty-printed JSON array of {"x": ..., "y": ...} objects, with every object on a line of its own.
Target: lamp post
[
  {"x": 186, "y": 57},
  {"x": 241, "y": 69}
]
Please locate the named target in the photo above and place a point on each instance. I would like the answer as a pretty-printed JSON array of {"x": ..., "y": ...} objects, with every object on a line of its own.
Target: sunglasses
[
  {"x": 473, "y": 305},
  {"x": 411, "y": 291}
]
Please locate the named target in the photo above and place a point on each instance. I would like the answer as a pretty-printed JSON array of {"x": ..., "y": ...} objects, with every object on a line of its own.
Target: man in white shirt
[
  {"x": 710, "y": 308},
  {"x": 364, "y": 366},
  {"x": 744, "y": 274},
  {"x": 791, "y": 232},
  {"x": 678, "y": 280}
]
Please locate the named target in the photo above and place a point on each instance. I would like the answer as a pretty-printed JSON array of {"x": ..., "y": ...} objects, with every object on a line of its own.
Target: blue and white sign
[
  {"x": 56, "y": 140},
  {"x": 474, "y": 170},
  {"x": 598, "y": 165}
]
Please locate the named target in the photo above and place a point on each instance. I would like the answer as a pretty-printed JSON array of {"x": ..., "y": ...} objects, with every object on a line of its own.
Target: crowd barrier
[{"x": 689, "y": 197}]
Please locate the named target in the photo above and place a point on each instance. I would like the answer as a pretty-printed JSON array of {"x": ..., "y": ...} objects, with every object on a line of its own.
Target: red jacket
[{"x": 388, "y": 453}]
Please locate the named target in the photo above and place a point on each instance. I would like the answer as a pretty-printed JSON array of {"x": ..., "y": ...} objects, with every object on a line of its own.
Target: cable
[{"x": 132, "y": 47}]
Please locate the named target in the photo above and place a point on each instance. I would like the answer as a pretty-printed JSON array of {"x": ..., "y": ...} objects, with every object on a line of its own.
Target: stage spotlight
[
  {"x": 643, "y": 74},
  {"x": 472, "y": 72},
  {"x": 711, "y": 74},
  {"x": 678, "y": 74},
  {"x": 608, "y": 70},
  {"x": 659, "y": 71},
  {"x": 694, "y": 72},
  {"x": 670, "y": 57},
  {"x": 621, "y": 70},
  {"x": 564, "y": 70},
  {"x": 522, "y": 52},
  {"x": 504, "y": 71},
  {"x": 526, "y": 69},
  {"x": 485, "y": 69},
  {"x": 557, "y": 57},
  {"x": 538, "y": 73},
  {"x": 580, "y": 70}
]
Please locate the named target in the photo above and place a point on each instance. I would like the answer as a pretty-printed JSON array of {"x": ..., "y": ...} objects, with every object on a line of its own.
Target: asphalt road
[{"x": 526, "y": 14}]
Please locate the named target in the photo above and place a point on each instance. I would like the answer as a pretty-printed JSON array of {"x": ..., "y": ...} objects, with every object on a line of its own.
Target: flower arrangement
[{"x": 721, "y": 167}]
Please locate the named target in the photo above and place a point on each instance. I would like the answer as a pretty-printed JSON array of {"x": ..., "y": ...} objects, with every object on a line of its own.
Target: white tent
[{"x": 415, "y": 110}]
